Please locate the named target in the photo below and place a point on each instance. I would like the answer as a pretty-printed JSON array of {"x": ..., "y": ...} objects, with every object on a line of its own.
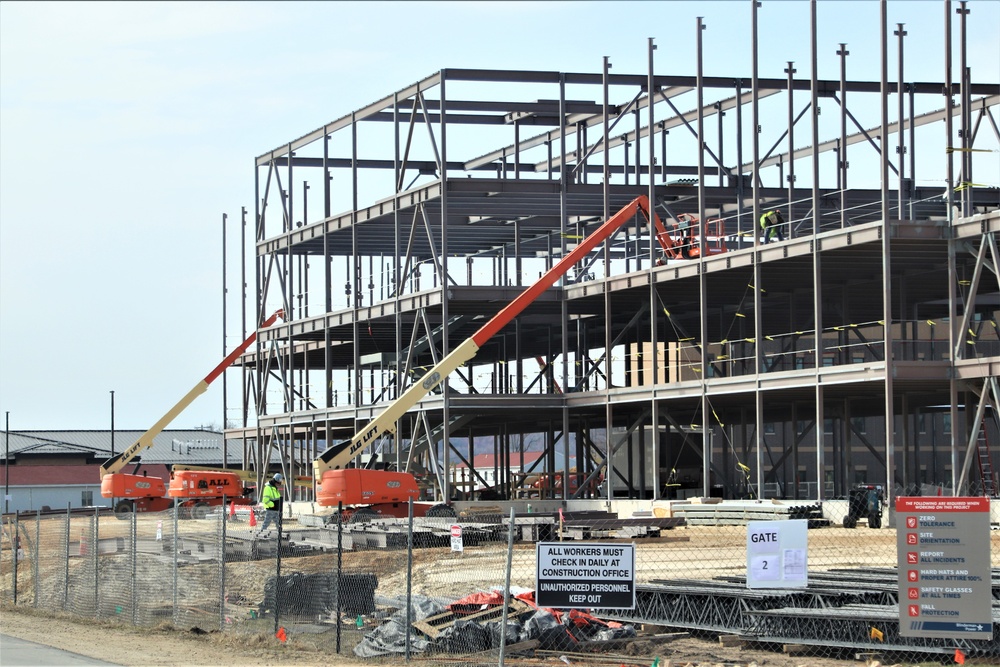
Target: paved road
[{"x": 16, "y": 652}]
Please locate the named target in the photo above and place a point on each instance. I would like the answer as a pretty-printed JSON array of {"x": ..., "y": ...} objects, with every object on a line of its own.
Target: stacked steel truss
[{"x": 839, "y": 608}]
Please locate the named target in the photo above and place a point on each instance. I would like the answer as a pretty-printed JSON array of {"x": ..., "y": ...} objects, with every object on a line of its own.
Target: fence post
[
  {"x": 506, "y": 588},
  {"x": 176, "y": 617},
  {"x": 222, "y": 564},
  {"x": 277, "y": 576},
  {"x": 3, "y": 533},
  {"x": 409, "y": 574},
  {"x": 14, "y": 544},
  {"x": 69, "y": 516},
  {"x": 38, "y": 552},
  {"x": 135, "y": 559},
  {"x": 95, "y": 547},
  {"x": 340, "y": 562}
]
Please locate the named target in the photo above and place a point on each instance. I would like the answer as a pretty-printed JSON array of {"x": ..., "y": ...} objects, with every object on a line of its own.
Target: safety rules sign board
[
  {"x": 943, "y": 546},
  {"x": 585, "y": 576}
]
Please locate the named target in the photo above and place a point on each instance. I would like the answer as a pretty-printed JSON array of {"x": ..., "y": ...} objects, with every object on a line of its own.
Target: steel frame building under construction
[{"x": 730, "y": 367}]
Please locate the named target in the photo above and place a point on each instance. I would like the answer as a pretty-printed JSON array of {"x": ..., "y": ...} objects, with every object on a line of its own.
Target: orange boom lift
[{"x": 197, "y": 489}]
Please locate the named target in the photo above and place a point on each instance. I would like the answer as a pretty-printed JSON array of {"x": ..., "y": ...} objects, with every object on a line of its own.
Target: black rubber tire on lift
[
  {"x": 850, "y": 522},
  {"x": 124, "y": 509},
  {"x": 874, "y": 520},
  {"x": 199, "y": 511},
  {"x": 441, "y": 512}
]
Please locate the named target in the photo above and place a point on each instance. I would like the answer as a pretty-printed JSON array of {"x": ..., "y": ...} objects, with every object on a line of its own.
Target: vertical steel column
[
  {"x": 949, "y": 104},
  {"x": 638, "y": 151},
  {"x": 700, "y": 93},
  {"x": 757, "y": 324},
  {"x": 225, "y": 385},
  {"x": 445, "y": 348},
  {"x": 817, "y": 274},
  {"x": 663, "y": 149},
  {"x": 890, "y": 431},
  {"x": 243, "y": 320},
  {"x": 912, "y": 151},
  {"x": 563, "y": 303},
  {"x": 791, "y": 142},
  {"x": 952, "y": 259},
  {"x": 289, "y": 226},
  {"x": 740, "y": 196},
  {"x": 607, "y": 244},
  {"x": 353, "y": 281},
  {"x": 842, "y": 157},
  {"x": 653, "y": 357},
  {"x": 963, "y": 12},
  {"x": 397, "y": 277},
  {"x": 517, "y": 150},
  {"x": 606, "y": 192},
  {"x": 814, "y": 109},
  {"x": 328, "y": 278},
  {"x": 899, "y": 32},
  {"x": 706, "y": 427},
  {"x": 722, "y": 147},
  {"x": 257, "y": 375}
]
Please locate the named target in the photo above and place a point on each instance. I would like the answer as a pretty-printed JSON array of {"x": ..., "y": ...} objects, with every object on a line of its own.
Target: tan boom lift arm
[{"x": 119, "y": 461}]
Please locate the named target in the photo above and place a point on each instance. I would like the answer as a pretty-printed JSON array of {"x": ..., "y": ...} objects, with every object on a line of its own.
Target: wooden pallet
[{"x": 434, "y": 625}]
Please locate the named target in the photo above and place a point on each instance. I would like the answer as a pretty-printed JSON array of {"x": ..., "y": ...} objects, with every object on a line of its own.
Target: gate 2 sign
[{"x": 585, "y": 576}]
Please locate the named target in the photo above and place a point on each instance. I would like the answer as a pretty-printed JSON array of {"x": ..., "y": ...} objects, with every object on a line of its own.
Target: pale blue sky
[{"x": 128, "y": 129}]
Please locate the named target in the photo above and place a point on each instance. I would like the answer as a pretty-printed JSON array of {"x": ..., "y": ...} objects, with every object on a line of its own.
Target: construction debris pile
[{"x": 476, "y": 623}]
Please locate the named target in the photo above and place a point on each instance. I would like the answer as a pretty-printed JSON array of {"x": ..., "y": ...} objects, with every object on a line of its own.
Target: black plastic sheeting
[
  {"x": 468, "y": 636},
  {"x": 312, "y": 595}
]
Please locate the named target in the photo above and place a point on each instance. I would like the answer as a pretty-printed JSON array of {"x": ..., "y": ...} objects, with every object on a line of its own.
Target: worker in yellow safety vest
[
  {"x": 271, "y": 500},
  {"x": 770, "y": 224}
]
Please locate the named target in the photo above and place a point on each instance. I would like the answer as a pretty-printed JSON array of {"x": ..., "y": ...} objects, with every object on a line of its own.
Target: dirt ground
[{"x": 166, "y": 646}]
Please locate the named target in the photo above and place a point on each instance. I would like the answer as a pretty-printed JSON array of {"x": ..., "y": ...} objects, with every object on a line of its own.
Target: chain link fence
[{"x": 393, "y": 589}]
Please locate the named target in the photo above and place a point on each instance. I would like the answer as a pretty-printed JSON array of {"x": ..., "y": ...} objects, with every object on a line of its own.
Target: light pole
[{"x": 112, "y": 422}]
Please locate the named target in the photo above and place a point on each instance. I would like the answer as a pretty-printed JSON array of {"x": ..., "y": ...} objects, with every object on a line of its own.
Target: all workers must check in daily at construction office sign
[
  {"x": 943, "y": 547},
  {"x": 585, "y": 575}
]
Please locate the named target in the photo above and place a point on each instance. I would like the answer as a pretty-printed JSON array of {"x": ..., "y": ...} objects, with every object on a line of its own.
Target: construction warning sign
[
  {"x": 585, "y": 576},
  {"x": 943, "y": 546}
]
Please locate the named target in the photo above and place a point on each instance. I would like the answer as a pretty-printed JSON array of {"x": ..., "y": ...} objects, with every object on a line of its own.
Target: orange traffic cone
[
  {"x": 232, "y": 510},
  {"x": 281, "y": 635},
  {"x": 253, "y": 519}
]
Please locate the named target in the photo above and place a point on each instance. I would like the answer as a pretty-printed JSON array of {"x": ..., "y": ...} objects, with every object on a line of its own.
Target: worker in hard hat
[
  {"x": 271, "y": 500},
  {"x": 770, "y": 224}
]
